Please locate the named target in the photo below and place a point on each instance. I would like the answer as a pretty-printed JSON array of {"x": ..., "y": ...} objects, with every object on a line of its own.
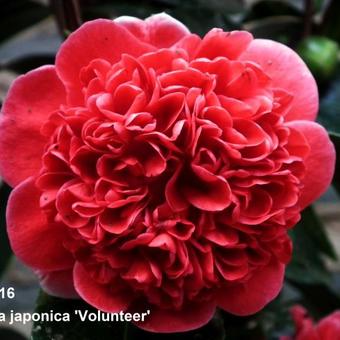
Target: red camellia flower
[
  {"x": 154, "y": 169},
  {"x": 327, "y": 329}
]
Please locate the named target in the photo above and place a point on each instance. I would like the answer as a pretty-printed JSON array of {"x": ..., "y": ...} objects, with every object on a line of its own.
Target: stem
[
  {"x": 67, "y": 14},
  {"x": 308, "y": 18},
  {"x": 126, "y": 331}
]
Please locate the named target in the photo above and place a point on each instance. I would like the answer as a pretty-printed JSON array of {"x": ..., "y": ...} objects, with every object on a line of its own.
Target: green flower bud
[{"x": 321, "y": 56}]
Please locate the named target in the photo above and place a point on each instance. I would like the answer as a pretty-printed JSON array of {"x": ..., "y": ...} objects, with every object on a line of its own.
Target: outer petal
[
  {"x": 329, "y": 327},
  {"x": 36, "y": 242},
  {"x": 320, "y": 163},
  {"x": 30, "y": 100},
  {"x": 309, "y": 333},
  {"x": 192, "y": 316},
  {"x": 106, "y": 298},
  {"x": 58, "y": 283},
  {"x": 253, "y": 295},
  {"x": 95, "y": 39},
  {"x": 218, "y": 43},
  {"x": 288, "y": 72},
  {"x": 160, "y": 30}
]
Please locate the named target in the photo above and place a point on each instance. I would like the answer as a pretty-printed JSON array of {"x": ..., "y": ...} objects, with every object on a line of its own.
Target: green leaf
[
  {"x": 275, "y": 317},
  {"x": 320, "y": 299},
  {"x": 336, "y": 179},
  {"x": 269, "y": 8},
  {"x": 310, "y": 243},
  {"x": 319, "y": 5},
  {"x": 329, "y": 115},
  {"x": 285, "y": 29},
  {"x": 6, "y": 252},
  {"x": 314, "y": 228}
]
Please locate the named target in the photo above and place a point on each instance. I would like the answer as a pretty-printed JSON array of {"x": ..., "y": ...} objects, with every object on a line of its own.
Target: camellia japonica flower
[
  {"x": 154, "y": 169},
  {"x": 327, "y": 329}
]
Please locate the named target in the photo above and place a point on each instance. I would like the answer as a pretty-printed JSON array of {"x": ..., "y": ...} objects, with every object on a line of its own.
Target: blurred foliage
[
  {"x": 329, "y": 115},
  {"x": 312, "y": 27},
  {"x": 310, "y": 244},
  {"x": 336, "y": 179},
  {"x": 10, "y": 334}
]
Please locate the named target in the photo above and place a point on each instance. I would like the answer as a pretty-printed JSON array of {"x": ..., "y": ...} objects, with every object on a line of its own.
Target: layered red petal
[
  {"x": 251, "y": 296},
  {"x": 160, "y": 30},
  {"x": 22, "y": 115},
  {"x": 173, "y": 172},
  {"x": 288, "y": 72},
  {"x": 37, "y": 241},
  {"x": 317, "y": 179},
  {"x": 108, "y": 41}
]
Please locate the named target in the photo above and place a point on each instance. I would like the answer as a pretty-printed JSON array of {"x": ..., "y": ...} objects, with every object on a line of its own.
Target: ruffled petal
[
  {"x": 250, "y": 297},
  {"x": 100, "y": 38},
  {"x": 30, "y": 100},
  {"x": 320, "y": 163},
  {"x": 329, "y": 327},
  {"x": 218, "y": 43},
  {"x": 106, "y": 298},
  {"x": 58, "y": 283},
  {"x": 288, "y": 72},
  {"x": 190, "y": 317},
  {"x": 211, "y": 193},
  {"x": 160, "y": 30},
  {"x": 36, "y": 242}
]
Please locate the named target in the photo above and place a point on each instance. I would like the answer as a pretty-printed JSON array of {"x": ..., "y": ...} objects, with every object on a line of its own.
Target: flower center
[{"x": 176, "y": 176}]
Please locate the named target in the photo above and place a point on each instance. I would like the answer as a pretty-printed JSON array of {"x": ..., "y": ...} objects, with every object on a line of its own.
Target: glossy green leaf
[
  {"x": 320, "y": 299},
  {"x": 310, "y": 243},
  {"x": 336, "y": 179},
  {"x": 269, "y": 8},
  {"x": 275, "y": 318},
  {"x": 314, "y": 228},
  {"x": 329, "y": 114},
  {"x": 285, "y": 29}
]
